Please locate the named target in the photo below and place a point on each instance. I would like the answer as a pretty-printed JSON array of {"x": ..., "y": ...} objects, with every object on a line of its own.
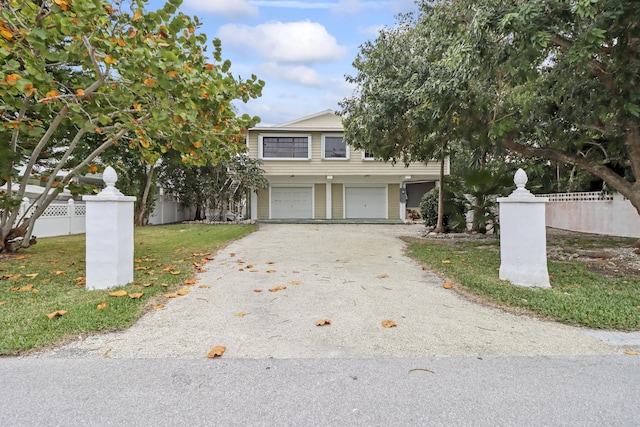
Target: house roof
[{"x": 326, "y": 120}]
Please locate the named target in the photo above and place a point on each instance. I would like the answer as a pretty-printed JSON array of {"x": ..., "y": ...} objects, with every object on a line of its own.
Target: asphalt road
[{"x": 452, "y": 391}]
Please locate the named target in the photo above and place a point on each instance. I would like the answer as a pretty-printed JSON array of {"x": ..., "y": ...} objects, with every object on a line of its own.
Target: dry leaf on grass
[
  {"x": 56, "y": 314},
  {"x": 102, "y": 306},
  {"x": 3, "y": 302},
  {"x": 171, "y": 295},
  {"x": 389, "y": 324},
  {"x": 116, "y": 294},
  {"x": 216, "y": 351},
  {"x": 174, "y": 272},
  {"x": 323, "y": 322},
  {"x": 27, "y": 287},
  {"x": 136, "y": 295},
  {"x": 278, "y": 288},
  {"x": 32, "y": 276}
]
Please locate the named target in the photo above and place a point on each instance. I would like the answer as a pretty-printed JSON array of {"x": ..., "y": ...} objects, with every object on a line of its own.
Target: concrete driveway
[{"x": 356, "y": 276}]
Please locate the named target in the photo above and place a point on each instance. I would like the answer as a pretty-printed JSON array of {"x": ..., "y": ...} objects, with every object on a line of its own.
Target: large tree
[
  {"x": 80, "y": 76},
  {"x": 552, "y": 80},
  {"x": 413, "y": 100}
]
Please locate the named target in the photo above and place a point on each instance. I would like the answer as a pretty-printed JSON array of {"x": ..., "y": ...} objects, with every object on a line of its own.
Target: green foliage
[
  {"x": 547, "y": 80},
  {"x": 58, "y": 261},
  {"x": 81, "y": 76},
  {"x": 454, "y": 219}
]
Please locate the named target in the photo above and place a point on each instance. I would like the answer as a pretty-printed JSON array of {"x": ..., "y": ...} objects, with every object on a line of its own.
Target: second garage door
[
  {"x": 365, "y": 202},
  {"x": 291, "y": 202}
]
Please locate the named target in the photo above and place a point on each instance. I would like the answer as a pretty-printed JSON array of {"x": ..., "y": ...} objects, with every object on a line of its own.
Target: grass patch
[
  {"x": 48, "y": 277},
  {"x": 577, "y": 297}
]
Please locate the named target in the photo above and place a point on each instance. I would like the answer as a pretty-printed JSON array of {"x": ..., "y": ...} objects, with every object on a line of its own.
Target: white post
[
  {"x": 109, "y": 236},
  {"x": 523, "y": 239}
]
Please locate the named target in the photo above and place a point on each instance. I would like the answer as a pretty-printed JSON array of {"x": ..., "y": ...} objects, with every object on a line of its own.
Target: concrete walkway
[{"x": 356, "y": 276}]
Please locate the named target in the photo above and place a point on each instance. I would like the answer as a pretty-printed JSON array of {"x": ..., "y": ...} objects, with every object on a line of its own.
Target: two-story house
[{"x": 313, "y": 174}]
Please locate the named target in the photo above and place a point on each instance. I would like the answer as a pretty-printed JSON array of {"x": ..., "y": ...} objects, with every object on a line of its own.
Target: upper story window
[
  {"x": 285, "y": 147},
  {"x": 334, "y": 147},
  {"x": 368, "y": 156}
]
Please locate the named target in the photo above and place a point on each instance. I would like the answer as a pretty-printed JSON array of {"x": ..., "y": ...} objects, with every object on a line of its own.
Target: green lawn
[
  {"x": 577, "y": 297},
  {"x": 49, "y": 277}
]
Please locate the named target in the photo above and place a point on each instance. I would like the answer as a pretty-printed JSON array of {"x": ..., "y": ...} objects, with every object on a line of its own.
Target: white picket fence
[{"x": 593, "y": 212}]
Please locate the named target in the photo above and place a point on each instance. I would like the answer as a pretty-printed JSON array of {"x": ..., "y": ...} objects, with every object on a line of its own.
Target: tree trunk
[
  {"x": 141, "y": 208},
  {"x": 439, "y": 224}
]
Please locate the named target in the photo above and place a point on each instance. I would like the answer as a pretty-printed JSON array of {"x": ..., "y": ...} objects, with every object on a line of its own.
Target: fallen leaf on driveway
[
  {"x": 278, "y": 288},
  {"x": 240, "y": 314},
  {"x": 171, "y": 295},
  {"x": 382, "y": 276},
  {"x": 118, "y": 293},
  {"x": 270, "y": 262},
  {"x": 257, "y": 290},
  {"x": 217, "y": 351},
  {"x": 56, "y": 313},
  {"x": 158, "y": 307},
  {"x": 271, "y": 271},
  {"x": 389, "y": 324},
  {"x": 182, "y": 292},
  {"x": 323, "y": 322},
  {"x": 204, "y": 286},
  {"x": 631, "y": 352},
  {"x": 448, "y": 285},
  {"x": 295, "y": 282}
]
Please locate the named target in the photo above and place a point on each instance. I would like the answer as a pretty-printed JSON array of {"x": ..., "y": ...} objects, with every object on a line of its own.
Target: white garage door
[
  {"x": 291, "y": 202},
  {"x": 365, "y": 202}
]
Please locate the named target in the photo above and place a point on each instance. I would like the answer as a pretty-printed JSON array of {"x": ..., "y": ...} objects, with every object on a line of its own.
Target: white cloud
[
  {"x": 229, "y": 8},
  {"x": 355, "y": 6},
  {"x": 293, "y": 73},
  {"x": 302, "y": 41},
  {"x": 371, "y": 31}
]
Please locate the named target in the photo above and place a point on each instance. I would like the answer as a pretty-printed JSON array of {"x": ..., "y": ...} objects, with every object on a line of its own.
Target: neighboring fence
[
  {"x": 167, "y": 210},
  {"x": 60, "y": 219},
  {"x": 595, "y": 212}
]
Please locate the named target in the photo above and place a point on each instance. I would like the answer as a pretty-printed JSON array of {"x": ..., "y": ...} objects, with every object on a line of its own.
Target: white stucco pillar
[
  {"x": 109, "y": 238},
  {"x": 523, "y": 238}
]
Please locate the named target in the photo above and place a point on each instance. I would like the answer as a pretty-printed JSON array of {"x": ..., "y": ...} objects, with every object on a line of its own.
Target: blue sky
[{"x": 301, "y": 49}]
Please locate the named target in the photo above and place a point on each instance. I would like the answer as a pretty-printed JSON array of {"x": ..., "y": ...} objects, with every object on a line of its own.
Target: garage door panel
[
  {"x": 365, "y": 202},
  {"x": 291, "y": 202}
]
